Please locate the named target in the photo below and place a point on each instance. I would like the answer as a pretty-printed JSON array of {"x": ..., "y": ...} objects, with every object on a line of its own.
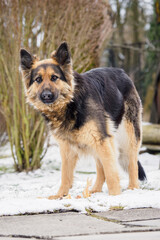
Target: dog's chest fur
[{"x": 82, "y": 140}]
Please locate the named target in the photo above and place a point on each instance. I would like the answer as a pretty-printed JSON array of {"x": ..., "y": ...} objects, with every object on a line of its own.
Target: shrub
[{"x": 40, "y": 26}]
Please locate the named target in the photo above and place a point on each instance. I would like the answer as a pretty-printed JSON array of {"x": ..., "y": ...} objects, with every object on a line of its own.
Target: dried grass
[{"x": 40, "y": 26}]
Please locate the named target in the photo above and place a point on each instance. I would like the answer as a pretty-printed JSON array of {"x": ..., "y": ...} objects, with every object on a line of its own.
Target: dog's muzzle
[{"x": 48, "y": 97}]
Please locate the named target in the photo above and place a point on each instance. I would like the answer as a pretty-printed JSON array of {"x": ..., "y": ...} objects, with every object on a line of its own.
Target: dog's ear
[
  {"x": 62, "y": 54},
  {"x": 26, "y": 59},
  {"x": 63, "y": 58}
]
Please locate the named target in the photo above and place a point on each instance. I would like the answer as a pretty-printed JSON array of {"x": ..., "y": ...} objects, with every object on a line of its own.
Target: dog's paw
[
  {"x": 95, "y": 190},
  {"x": 52, "y": 197},
  {"x": 132, "y": 187}
]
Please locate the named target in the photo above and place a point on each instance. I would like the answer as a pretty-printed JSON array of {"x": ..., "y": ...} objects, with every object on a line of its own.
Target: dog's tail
[{"x": 141, "y": 172}]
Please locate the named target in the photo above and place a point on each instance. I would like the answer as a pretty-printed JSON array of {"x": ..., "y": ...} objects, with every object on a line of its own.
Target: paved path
[{"x": 130, "y": 224}]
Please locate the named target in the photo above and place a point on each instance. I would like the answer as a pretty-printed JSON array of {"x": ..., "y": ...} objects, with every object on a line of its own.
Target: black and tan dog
[{"x": 97, "y": 112}]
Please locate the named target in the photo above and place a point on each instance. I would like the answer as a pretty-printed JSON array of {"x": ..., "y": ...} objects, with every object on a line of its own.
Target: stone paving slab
[
  {"x": 62, "y": 224},
  {"x": 11, "y": 238},
  {"x": 132, "y": 214},
  {"x": 119, "y": 236},
  {"x": 149, "y": 223},
  {"x": 75, "y": 225}
]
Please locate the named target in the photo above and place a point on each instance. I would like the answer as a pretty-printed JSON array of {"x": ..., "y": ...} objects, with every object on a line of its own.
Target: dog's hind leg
[
  {"x": 69, "y": 159},
  {"x": 132, "y": 152},
  {"x": 129, "y": 149},
  {"x": 100, "y": 178},
  {"x": 107, "y": 154}
]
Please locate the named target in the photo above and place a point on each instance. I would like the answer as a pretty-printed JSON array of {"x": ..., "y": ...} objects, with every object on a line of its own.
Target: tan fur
[
  {"x": 132, "y": 153},
  {"x": 88, "y": 139},
  {"x": 45, "y": 61},
  {"x": 106, "y": 153},
  {"x": 65, "y": 95},
  {"x": 84, "y": 139},
  {"x": 69, "y": 159},
  {"x": 68, "y": 71},
  {"x": 100, "y": 178}
]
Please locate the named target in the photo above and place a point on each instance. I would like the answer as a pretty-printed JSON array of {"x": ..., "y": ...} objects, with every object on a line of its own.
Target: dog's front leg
[
  {"x": 107, "y": 156},
  {"x": 100, "y": 178},
  {"x": 69, "y": 159}
]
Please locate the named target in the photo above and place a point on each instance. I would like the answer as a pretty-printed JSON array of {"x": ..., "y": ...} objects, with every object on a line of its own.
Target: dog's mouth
[{"x": 48, "y": 101}]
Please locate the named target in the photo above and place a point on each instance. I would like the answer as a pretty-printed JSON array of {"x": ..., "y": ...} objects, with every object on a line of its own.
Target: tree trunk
[{"x": 151, "y": 134}]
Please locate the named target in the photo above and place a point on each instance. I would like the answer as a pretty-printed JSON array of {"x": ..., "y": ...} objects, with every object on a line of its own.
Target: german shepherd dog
[{"x": 97, "y": 112}]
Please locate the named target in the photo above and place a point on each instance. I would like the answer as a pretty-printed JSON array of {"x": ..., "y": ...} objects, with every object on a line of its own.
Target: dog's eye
[
  {"x": 53, "y": 78},
  {"x": 38, "y": 79}
]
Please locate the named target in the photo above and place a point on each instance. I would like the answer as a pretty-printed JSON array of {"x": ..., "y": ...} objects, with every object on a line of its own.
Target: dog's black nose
[{"x": 47, "y": 96}]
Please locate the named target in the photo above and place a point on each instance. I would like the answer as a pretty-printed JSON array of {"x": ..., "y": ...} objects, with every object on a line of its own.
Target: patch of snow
[
  {"x": 27, "y": 193},
  {"x": 146, "y": 123}
]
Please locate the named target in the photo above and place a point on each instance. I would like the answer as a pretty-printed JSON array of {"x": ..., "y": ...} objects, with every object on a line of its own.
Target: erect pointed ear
[
  {"x": 26, "y": 59},
  {"x": 62, "y": 54}
]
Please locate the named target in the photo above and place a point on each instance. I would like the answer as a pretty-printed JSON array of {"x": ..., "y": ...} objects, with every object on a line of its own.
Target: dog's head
[{"x": 48, "y": 83}]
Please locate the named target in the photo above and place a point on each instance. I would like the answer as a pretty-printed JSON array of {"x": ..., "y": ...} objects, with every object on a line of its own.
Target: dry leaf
[
  {"x": 78, "y": 196},
  {"x": 86, "y": 192},
  {"x": 68, "y": 196}
]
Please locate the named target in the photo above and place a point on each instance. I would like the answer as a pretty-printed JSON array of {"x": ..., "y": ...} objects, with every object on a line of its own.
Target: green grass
[
  {"x": 4, "y": 156},
  {"x": 81, "y": 172},
  {"x": 116, "y": 208}
]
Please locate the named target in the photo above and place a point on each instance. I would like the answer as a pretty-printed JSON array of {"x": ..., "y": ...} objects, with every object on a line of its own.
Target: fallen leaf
[
  {"x": 78, "y": 196},
  {"x": 86, "y": 192},
  {"x": 68, "y": 196}
]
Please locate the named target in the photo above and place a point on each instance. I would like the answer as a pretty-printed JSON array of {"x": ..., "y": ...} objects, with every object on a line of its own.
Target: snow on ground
[{"x": 27, "y": 193}]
